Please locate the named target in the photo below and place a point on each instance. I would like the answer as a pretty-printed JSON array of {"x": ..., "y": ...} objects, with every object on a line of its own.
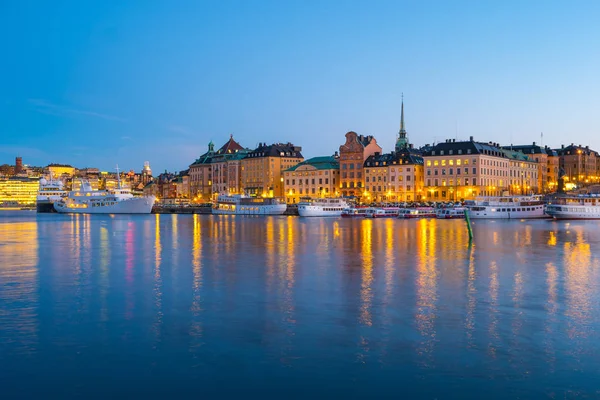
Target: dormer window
[
  {"x": 459, "y": 151},
  {"x": 441, "y": 152},
  {"x": 450, "y": 152}
]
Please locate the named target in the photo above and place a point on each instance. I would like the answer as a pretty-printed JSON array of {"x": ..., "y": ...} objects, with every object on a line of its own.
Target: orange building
[{"x": 353, "y": 155}]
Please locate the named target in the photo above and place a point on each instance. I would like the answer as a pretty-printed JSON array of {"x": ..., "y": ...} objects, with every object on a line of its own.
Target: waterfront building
[
  {"x": 61, "y": 170},
  {"x": 146, "y": 175},
  {"x": 466, "y": 169},
  {"x": 353, "y": 155},
  {"x": 262, "y": 168},
  {"x": 315, "y": 177},
  {"x": 547, "y": 162},
  {"x": 200, "y": 176},
  {"x": 394, "y": 177},
  {"x": 227, "y": 168},
  {"x": 18, "y": 191},
  {"x": 580, "y": 164}
]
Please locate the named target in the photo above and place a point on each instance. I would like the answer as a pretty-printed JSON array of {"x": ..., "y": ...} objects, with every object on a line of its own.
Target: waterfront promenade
[{"x": 223, "y": 306}]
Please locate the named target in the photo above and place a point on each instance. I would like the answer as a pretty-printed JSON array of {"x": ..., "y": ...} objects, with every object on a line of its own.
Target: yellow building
[
  {"x": 394, "y": 177},
  {"x": 16, "y": 191},
  {"x": 59, "y": 170},
  {"x": 262, "y": 168},
  {"x": 201, "y": 179},
  {"x": 315, "y": 177}
]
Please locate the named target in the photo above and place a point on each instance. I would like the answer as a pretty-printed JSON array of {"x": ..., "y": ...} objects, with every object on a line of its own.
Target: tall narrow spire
[
  {"x": 402, "y": 141},
  {"x": 402, "y": 127}
]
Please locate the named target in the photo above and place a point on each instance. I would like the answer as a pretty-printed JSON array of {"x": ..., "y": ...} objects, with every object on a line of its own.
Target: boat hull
[
  {"x": 136, "y": 205},
  {"x": 318, "y": 211},
  {"x": 272, "y": 209},
  {"x": 45, "y": 207}
]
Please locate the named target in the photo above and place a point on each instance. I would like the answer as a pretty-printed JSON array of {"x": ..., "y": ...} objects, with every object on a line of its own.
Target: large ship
[
  {"x": 575, "y": 207},
  {"x": 117, "y": 201},
  {"x": 506, "y": 207},
  {"x": 327, "y": 207},
  {"x": 50, "y": 191},
  {"x": 241, "y": 204}
]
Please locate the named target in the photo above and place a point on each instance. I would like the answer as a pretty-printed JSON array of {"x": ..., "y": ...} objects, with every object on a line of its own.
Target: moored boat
[
  {"x": 89, "y": 201},
  {"x": 325, "y": 207},
  {"x": 382, "y": 212},
  {"x": 354, "y": 212},
  {"x": 49, "y": 192},
  {"x": 575, "y": 207},
  {"x": 450, "y": 213},
  {"x": 241, "y": 204},
  {"x": 506, "y": 207},
  {"x": 419, "y": 212}
]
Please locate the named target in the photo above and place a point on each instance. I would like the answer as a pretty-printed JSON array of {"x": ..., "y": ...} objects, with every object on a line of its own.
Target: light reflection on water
[{"x": 360, "y": 306}]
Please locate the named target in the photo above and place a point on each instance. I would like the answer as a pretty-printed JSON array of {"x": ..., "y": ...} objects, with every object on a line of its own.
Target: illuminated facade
[
  {"x": 262, "y": 168},
  {"x": 200, "y": 177},
  {"x": 227, "y": 168},
  {"x": 547, "y": 163},
  {"x": 17, "y": 191},
  {"x": 60, "y": 170},
  {"x": 353, "y": 155},
  {"x": 394, "y": 177},
  {"x": 315, "y": 177},
  {"x": 581, "y": 165},
  {"x": 463, "y": 170}
]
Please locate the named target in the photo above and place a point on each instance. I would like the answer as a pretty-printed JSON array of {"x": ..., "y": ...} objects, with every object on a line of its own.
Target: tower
[
  {"x": 402, "y": 141},
  {"x": 18, "y": 165}
]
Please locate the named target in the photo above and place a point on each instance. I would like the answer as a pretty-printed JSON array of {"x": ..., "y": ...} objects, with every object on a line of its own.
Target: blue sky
[{"x": 96, "y": 83}]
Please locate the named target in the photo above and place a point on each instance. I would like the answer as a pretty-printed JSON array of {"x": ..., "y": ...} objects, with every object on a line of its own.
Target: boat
[
  {"x": 117, "y": 201},
  {"x": 575, "y": 207},
  {"x": 506, "y": 207},
  {"x": 353, "y": 212},
  {"x": 450, "y": 213},
  {"x": 242, "y": 204},
  {"x": 382, "y": 212},
  {"x": 49, "y": 192},
  {"x": 418, "y": 212},
  {"x": 325, "y": 207}
]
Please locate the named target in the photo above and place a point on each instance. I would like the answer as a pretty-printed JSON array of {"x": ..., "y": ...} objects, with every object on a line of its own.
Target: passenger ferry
[
  {"x": 450, "y": 213},
  {"x": 241, "y": 204},
  {"x": 89, "y": 201},
  {"x": 575, "y": 207},
  {"x": 49, "y": 192},
  {"x": 506, "y": 207},
  {"x": 419, "y": 212},
  {"x": 384, "y": 212},
  {"x": 327, "y": 207},
  {"x": 354, "y": 212}
]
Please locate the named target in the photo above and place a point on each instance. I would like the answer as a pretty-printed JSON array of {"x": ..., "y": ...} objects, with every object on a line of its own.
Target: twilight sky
[{"x": 96, "y": 83}]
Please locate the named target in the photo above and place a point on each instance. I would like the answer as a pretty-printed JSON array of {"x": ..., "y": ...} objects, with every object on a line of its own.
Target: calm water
[{"x": 218, "y": 306}]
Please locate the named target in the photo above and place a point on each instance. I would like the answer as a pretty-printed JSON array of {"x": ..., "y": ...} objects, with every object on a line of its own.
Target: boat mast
[{"x": 118, "y": 178}]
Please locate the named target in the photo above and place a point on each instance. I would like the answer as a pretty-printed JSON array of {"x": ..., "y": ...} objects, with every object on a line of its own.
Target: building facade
[
  {"x": 461, "y": 170},
  {"x": 353, "y": 155},
  {"x": 394, "y": 177},
  {"x": 200, "y": 177},
  {"x": 547, "y": 162},
  {"x": 315, "y": 177},
  {"x": 227, "y": 168},
  {"x": 262, "y": 168},
  {"x": 580, "y": 164}
]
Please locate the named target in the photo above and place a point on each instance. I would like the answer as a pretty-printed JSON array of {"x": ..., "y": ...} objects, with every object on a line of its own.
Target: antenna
[
  {"x": 456, "y": 135},
  {"x": 542, "y": 139}
]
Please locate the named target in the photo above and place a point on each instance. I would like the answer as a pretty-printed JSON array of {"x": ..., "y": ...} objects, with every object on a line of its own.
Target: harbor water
[{"x": 201, "y": 306}]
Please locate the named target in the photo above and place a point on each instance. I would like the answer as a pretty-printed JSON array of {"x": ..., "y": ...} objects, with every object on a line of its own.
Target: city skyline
[{"x": 99, "y": 85}]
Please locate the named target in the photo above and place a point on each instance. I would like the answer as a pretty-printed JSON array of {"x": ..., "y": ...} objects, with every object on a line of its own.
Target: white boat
[
  {"x": 506, "y": 207},
  {"x": 382, "y": 212},
  {"x": 241, "y": 204},
  {"x": 575, "y": 207},
  {"x": 354, "y": 212},
  {"x": 450, "y": 213},
  {"x": 327, "y": 207},
  {"x": 50, "y": 191},
  {"x": 117, "y": 201},
  {"x": 419, "y": 212}
]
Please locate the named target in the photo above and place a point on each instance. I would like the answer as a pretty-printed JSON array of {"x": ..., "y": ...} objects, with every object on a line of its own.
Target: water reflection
[
  {"x": 19, "y": 297},
  {"x": 197, "y": 298}
]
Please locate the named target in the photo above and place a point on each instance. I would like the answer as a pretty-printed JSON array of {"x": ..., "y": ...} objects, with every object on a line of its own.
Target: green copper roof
[{"x": 326, "y": 162}]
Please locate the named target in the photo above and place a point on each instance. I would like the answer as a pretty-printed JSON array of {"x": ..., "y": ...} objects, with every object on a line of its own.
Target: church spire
[{"x": 402, "y": 141}]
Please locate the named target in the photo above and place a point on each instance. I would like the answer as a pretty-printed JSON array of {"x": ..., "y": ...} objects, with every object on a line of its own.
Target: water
[{"x": 285, "y": 307}]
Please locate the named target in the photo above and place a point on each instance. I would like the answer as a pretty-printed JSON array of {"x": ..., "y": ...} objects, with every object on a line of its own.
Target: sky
[{"x": 100, "y": 83}]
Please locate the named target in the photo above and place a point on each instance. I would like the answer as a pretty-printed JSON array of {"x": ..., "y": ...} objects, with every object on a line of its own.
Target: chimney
[
  {"x": 534, "y": 143},
  {"x": 453, "y": 140},
  {"x": 562, "y": 146},
  {"x": 471, "y": 138}
]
